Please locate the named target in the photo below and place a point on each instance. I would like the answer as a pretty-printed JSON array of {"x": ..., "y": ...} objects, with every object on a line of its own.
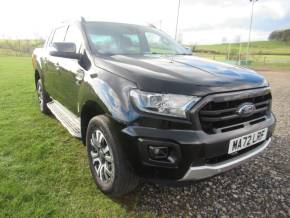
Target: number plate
[{"x": 243, "y": 142}]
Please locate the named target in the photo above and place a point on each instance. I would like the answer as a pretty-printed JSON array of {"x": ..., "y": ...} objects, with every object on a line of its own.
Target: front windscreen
[{"x": 113, "y": 38}]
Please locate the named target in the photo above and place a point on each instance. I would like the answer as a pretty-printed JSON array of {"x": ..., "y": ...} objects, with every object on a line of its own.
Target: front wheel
[{"x": 107, "y": 162}]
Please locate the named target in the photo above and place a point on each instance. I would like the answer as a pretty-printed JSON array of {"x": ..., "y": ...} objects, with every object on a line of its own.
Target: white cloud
[
  {"x": 210, "y": 21},
  {"x": 206, "y": 21}
]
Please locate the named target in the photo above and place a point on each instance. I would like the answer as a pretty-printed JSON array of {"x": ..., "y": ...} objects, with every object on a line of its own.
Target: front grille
[{"x": 216, "y": 117}]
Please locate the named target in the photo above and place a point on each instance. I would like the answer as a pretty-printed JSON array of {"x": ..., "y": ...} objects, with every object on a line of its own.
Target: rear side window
[{"x": 59, "y": 35}]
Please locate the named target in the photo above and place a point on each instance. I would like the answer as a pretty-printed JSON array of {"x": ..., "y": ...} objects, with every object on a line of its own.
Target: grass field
[
  {"x": 260, "y": 47},
  {"x": 259, "y": 62},
  {"x": 272, "y": 55},
  {"x": 43, "y": 170}
]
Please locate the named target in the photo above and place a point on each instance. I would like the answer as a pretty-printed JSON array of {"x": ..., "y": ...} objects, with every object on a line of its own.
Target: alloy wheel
[
  {"x": 40, "y": 96},
  {"x": 102, "y": 157}
]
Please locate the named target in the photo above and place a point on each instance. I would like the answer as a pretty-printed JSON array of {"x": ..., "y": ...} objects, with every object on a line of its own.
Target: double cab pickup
[{"x": 146, "y": 108}]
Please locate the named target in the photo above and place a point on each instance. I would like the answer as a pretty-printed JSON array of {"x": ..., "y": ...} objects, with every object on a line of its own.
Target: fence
[{"x": 254, "y": 60}]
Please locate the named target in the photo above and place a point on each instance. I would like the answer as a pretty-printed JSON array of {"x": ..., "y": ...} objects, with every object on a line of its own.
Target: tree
[{"x": 280, "y": 35}]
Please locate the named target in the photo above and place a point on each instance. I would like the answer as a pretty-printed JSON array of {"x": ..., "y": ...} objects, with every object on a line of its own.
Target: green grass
[
  {"x": 43, "y": 170},
  {"x": 260, "y": 47},
  {"x": 272, "y": 55},
  {"x": 271, "y": 62}
]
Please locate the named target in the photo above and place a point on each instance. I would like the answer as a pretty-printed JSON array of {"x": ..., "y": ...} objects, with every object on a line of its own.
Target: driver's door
[{"x": 71, "y": 73}]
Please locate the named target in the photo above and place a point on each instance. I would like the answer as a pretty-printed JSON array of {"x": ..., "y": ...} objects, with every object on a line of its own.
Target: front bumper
[
  {"x": 202, "y": 172},
  {"x": 200, "y": 155}
]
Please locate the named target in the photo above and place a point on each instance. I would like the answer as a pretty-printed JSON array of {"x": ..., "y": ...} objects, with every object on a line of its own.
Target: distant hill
[{"x": 280, "y": 35}]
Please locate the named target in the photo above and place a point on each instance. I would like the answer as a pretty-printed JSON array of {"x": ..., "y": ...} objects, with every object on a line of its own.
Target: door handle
[{"x": 80, "y": 75}]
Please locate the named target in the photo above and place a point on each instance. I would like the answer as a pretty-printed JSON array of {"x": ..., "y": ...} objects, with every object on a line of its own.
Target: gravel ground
[{"x": 259, "y": 188}]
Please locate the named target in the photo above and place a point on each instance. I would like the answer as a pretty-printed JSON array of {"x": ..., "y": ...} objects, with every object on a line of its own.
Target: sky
[{"x": 200, "y": 22}]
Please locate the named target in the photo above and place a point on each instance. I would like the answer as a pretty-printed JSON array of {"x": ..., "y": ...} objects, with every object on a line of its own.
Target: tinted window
[
  {"x": 74, "y": 35},
  {"x": 59, "y": 34}
]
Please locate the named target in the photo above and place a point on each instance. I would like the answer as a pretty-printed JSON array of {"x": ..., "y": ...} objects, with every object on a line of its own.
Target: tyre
[
  {"x": 109, "y": 168},
  {"x": 43, "y": 98}
]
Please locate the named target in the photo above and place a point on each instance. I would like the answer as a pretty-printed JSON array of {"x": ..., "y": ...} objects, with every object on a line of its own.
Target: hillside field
[
  {"x": 256, "y": 48},
  {"x": 272, "y": 55},
  {"x": 262, "y": 55}
]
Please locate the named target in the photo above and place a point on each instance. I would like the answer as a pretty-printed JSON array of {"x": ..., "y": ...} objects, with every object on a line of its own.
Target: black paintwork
[
  {"x": 181, "y": 74},
  {"x": 108, "y": 79}
]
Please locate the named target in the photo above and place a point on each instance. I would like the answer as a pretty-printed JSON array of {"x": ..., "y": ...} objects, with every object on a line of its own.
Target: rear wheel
[
  {"x": 43, "y": 98},
  {"x": 107, "y": 162}
]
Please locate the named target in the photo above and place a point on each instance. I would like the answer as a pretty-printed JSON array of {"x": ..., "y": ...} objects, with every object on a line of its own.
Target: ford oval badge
[{"x": 246, "y": 109}]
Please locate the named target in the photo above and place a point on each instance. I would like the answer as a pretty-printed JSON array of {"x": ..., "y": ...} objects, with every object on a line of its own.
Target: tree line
[
  {"x": 280, "y": 35},
  {"x": 20, "y": 47}
]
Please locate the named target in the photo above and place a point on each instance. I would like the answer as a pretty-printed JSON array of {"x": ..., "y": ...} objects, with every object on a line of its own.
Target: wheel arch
[
  {"x": 36, "y": 77},
  {"x": 88, "y": 111},
  {"x": 107, "y": 94}
]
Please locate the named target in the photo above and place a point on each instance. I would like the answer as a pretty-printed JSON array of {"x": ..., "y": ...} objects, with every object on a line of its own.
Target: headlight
[{"x": 164, "y": 104}]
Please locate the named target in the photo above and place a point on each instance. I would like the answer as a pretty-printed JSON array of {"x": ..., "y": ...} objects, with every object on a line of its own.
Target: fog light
[{"x": 157, "y": 153}]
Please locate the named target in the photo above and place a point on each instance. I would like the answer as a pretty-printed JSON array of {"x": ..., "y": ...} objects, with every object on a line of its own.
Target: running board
[{"x": 67, "y": 118}]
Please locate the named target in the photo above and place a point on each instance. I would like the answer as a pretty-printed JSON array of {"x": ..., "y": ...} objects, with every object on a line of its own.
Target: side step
[{"x": 68, "y": 119}]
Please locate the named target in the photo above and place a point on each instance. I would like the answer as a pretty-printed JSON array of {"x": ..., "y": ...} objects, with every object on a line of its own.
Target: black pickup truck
[{"x": 145, "y": 107}]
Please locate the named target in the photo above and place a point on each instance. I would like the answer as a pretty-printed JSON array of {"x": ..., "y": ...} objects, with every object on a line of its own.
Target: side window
[
  {"x": 74, "y": 35},
  {"x": 59, "y": 35}
]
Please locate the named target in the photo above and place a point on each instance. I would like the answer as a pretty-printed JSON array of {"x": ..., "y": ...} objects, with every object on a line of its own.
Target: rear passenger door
[{"x": 52, "y": 74}]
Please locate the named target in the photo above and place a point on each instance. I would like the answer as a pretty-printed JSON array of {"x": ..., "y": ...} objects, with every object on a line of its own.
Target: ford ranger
[{"x": 146, "y": 108}]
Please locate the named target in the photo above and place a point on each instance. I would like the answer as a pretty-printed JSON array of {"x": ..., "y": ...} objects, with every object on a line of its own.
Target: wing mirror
[{"x": 64, "y": 50}]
